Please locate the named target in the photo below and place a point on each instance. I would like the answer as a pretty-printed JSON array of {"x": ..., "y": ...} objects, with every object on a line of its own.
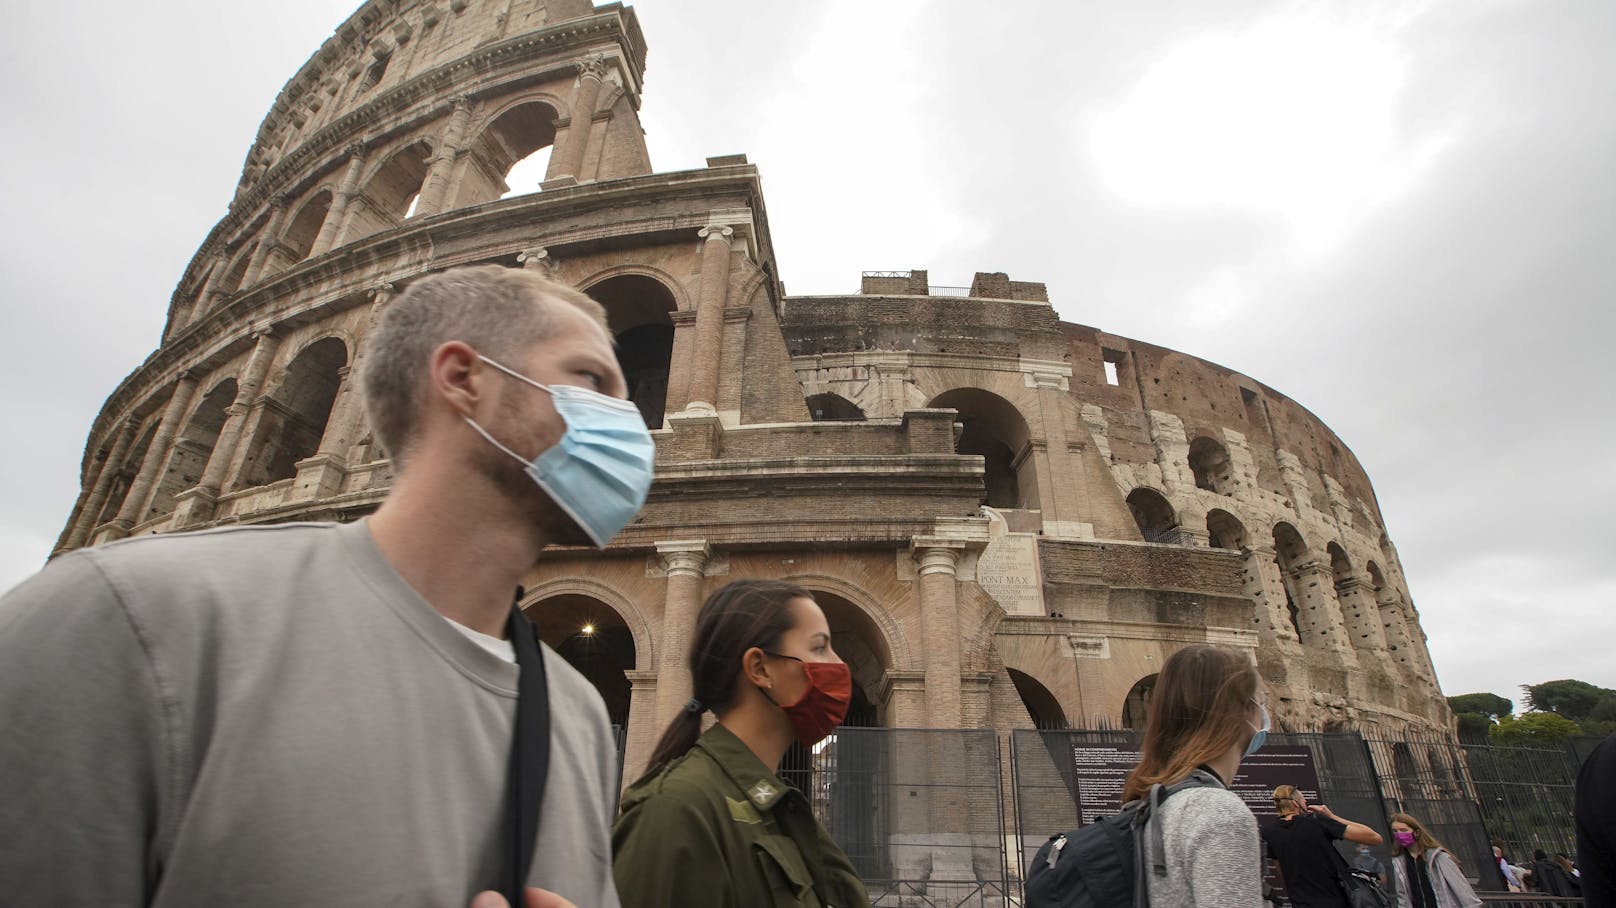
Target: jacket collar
[{"x": 762, "y": 787}]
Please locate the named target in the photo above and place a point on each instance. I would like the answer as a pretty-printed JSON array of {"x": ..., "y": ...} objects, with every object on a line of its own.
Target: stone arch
[
  {"x": 645, "y": 648},
  {"x": 639, "y": 313},
  {"x": 899, "y": 655},
  {"x": 298, "y": 240},
  {"x": 193, "y": 446},
  {"x": 1154, "y": 515},
  {"x": 389, "y": 194},
  {"x": 235, "y": 272},
  {"x": 293, "y": 420},
  {"x": 519, "y": 134},
  {"x": 594, "y": 638},
  {"x": 1290, "y": 551},
  {"x": 996, "y": 431},
  {"x": 1043, "y": 707},
  {"x": 1210, "y": 463},
  {"x": 1136, "y": 705},
  {"x": 1340, "y": 564},
  {"x": 1224, "y": 530},
  {"x": 125, "y": 473},
  {"x": 828, "y": 406}
]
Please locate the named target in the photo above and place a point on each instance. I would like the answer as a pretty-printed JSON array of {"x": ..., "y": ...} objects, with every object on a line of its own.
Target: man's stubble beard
[{"x": 512, "y": 480}]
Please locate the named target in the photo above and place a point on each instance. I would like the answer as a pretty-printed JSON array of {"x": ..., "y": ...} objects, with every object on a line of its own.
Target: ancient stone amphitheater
[{"x": 1011, "y": 520}]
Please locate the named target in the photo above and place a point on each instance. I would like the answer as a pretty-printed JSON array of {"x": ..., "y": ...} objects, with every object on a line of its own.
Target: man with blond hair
[{"x": 330, "y": 714}]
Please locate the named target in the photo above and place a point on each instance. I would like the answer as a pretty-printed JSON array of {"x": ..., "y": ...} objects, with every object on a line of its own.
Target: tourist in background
[
  {"x": 1428, "y": 876},
  {"x": 1368, "y": 863},
  {"x": 1506, "y": 869},
  {"x": 1204, "y": 718},
  {"x": 1303, "y": 841},
  {"x": 711, "y": 823}
]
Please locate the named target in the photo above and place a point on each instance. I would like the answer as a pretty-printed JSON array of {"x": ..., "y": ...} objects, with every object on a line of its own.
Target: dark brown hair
[
  {"x": 739, "y": 616},
  {"x": 1199, "y": 710}
]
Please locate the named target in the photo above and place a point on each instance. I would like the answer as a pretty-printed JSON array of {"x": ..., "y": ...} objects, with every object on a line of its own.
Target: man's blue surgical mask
[
  {"x": 601, "y": 469},
  {"x": 1262, "y": 733}
]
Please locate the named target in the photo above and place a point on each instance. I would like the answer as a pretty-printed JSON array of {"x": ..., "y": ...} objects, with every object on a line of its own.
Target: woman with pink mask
[{"x": 1427, "y": 875}]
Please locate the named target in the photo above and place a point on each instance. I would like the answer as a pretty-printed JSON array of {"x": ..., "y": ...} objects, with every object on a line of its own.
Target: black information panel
[{"x": 1100, "y": 770}]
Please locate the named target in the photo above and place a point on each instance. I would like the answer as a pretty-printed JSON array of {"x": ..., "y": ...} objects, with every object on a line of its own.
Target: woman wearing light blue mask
[{"x": 1205, "y": 716}]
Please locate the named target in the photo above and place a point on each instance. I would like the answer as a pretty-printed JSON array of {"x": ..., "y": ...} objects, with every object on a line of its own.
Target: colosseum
[{"x": 1011, "y": 520}]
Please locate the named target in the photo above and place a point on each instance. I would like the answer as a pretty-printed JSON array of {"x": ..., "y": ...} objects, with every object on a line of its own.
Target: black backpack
[{"x": 1101, "y": 865}]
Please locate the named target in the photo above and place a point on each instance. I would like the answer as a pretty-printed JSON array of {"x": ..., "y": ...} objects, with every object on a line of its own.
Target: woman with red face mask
[{"x": 711, "y": 823}]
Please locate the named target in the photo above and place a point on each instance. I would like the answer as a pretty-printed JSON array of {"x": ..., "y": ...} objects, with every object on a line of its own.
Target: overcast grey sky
[{"x": 1401, "y": 215}]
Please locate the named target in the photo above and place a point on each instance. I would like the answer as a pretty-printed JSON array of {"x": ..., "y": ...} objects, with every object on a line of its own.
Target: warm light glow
[
  {"x": 587, "y": 630},
  {"x": 1295, "y": 116}
]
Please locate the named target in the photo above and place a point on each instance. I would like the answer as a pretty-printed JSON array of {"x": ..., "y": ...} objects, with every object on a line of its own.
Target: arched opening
[
  {"x": 639, "y": 314},
  {"x": 291, "y": 425},
  {"x": 1224, "y": 530},
  {"x": 389, "y": 198},
  {"x": 1289, "y": 551},
  {"x": 595, "y": 640},
  {"x": 828, "y": 407},
  {"x": 1210, "y": 463},
  {"x": 1136, "y": 706},
  {"x": 236, "y": 271},
  {"x": 1042, "y": 707},
  {"x": 995, "y": 431},
  {"x": 305, "y": 228},
  {"x": 125, "y": 475},
  {"x": 511, "y": 156},
  {"x": 193, "y": 446},
  {"x": 1154, "y": 515}
]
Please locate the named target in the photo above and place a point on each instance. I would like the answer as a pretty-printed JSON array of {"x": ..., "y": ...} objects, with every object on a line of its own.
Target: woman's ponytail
[{"x": 678, "y": 738}]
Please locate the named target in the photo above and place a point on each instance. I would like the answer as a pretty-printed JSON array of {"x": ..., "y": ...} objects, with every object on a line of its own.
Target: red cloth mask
[{"x": 823, "y": 705}]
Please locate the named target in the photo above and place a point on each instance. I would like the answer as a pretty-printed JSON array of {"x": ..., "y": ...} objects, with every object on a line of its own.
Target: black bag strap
[{"x": 530, "y": 752}]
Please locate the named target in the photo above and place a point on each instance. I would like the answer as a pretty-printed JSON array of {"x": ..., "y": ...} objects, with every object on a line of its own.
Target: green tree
[
  {"x": 1533, "y": 729},
  {"x": 1490, "y": 705},
  {"x": 1573, "y": 699}
]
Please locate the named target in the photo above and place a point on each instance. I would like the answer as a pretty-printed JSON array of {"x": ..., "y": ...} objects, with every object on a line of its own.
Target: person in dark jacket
[
  {"x": 1596, "y": 824},
  {"x": 1548, "y": 878},
  {"x": 711, "y": 823}
]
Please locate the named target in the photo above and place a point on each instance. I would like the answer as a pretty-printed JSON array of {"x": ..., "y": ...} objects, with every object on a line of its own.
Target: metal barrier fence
[
  {"x": 920, "y": 812},
  {"x": 933, "y": 817},
  {"x": 1475, "y": 794}
]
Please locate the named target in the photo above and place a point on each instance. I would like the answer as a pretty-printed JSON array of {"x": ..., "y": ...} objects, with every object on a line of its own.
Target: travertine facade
[{"x": 1009, "y": 519}]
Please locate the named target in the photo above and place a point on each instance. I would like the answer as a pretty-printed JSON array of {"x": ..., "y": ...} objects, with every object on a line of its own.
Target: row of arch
[
  {"x": 295, "y": 406},
  {"x": 511, "y": 149}
]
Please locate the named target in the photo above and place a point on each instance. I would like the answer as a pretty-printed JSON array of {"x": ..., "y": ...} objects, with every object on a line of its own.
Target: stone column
[
  {"x": 267, "y": 240},
  {"x": 321, "y": 476},
  {"x": 435, "y": 189},
  {"x": 195, "y": 505},
  {"x": 643, "y": 729},
  {"x": 711, "y": 298},
  {"x": 85, "y": 522},
  {"x": 537, "y": 259},
  {"x": 1266, "y": 587},
  {"x": 569, "y": 158},
  {"x": 1362, "y": 615},
  {"x": 336, "y": 217},
  {"x": 140, "y": 491},
  {"x": 1398, "y": 639},
  {"x": 939, "y": 621},
  {"x": 1313, "y": 590},
  {"x": 683, "y": 560}
]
